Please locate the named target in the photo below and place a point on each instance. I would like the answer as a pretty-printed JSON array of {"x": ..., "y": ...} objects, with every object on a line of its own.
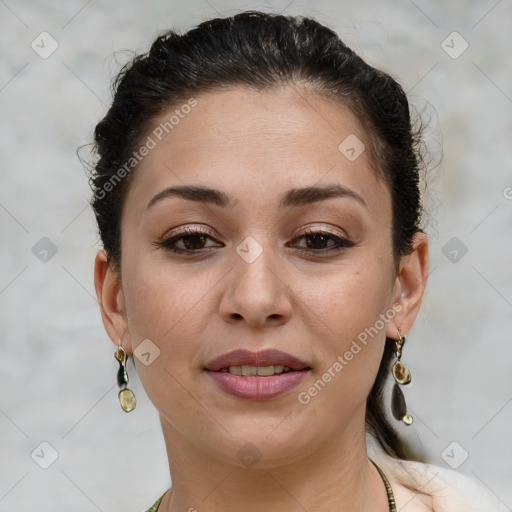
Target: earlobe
[
  {"x": 412, "y": 280},
  {"x": 110, "y": 298}
]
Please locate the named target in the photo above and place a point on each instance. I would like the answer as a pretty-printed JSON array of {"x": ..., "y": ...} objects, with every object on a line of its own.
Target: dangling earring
[
  {"x": 402, "y": 376},
  {"x": 126, "y": 396}
]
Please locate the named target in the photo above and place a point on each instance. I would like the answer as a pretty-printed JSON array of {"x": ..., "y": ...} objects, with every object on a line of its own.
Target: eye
[
  {"x": 316, "y": 241},
  {"x": 192, "y": 240}
]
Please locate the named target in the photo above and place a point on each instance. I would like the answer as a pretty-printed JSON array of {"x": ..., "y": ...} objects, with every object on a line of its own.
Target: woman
[{"x": 257, "y": 196}]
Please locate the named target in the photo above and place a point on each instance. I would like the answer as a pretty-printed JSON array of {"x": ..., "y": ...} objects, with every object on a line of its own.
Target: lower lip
[{"x": 257, "y": 388}]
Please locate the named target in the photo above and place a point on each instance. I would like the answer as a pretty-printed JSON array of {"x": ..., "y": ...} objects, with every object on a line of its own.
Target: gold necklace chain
[{"x": 391, "y": 497}]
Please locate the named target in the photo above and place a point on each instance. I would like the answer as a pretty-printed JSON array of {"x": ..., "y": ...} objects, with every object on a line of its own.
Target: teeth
[
  {"x": 234, "y": 370},
  {"x": 263, "y": 371}
]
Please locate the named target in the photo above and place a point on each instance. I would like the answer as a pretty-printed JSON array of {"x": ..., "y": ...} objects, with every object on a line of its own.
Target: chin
[{"x": 263, "y": 447}]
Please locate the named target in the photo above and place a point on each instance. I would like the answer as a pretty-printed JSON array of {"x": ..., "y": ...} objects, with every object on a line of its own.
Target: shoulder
[{"x": 445, "y": 490}]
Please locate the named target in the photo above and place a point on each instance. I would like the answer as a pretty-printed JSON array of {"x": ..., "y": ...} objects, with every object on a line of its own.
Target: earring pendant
[
  {"x": 125, "y": 395},
  {"x": 402, "y": 377}
]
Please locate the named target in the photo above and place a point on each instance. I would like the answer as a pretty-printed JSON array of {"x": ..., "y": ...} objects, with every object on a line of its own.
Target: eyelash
[{"x": 340, "y": 243}]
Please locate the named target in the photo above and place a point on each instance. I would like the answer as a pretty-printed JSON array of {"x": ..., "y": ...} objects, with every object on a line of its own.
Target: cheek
[
  {"x": 350, "y": 301},
  {"x": 346, "y": 313},
  {"x": 173, "y": 309},
  {"x": 159, "y": 299},
  {"x": 163, "y": 307}
]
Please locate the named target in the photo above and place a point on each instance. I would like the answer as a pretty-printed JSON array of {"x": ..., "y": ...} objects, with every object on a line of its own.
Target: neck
[{"x": 338, "y": 476}]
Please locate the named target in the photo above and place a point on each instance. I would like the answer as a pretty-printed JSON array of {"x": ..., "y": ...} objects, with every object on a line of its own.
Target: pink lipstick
[{"x": 257, "y": 375}]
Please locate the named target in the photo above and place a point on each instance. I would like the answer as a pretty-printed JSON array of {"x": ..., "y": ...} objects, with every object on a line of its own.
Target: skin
[{"x": 255, "y": 146}]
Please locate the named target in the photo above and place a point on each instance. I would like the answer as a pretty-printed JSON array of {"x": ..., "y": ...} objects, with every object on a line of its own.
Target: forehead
[{"x": 256, "y": 144}]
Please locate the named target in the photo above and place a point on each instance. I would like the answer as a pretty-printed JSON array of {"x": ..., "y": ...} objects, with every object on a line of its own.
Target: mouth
[
  {"x": 257, "y": 375},
  {"x": 250, "y": 364},
  {"x": 259, "y": 371}
]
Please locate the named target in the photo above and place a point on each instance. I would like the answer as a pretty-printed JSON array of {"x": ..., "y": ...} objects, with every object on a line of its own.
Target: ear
[
  {"x": 111, "y": 301},
  {"x": 410, "y": 286}
]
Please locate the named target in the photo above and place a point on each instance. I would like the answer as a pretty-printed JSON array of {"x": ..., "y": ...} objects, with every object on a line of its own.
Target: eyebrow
[{"x": 292, "y": 198}]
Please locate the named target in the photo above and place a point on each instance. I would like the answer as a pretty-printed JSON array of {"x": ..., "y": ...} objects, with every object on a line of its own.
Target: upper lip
[{"x": 243, "y": 357}]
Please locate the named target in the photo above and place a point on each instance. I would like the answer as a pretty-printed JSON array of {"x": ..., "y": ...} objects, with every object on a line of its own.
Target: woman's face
[{"x": 253, "y": 279}]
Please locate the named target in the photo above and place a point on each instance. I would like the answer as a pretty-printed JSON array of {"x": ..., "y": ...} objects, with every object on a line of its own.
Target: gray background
[{"x": 56, "y": 365}]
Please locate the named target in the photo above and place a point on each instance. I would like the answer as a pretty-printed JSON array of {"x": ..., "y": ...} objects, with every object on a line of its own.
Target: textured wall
[{"x": 57, "y": 368}]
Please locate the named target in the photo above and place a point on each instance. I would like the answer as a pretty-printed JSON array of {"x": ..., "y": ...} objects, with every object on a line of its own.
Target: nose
[{"x": 257, "y": 292}]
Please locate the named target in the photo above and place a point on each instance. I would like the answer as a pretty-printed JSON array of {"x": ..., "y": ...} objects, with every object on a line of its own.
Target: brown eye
[
  {"x": 194, "y": 241},
  {"x": 317, "y": 241},
  {"x": 189, "y": 240}
]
